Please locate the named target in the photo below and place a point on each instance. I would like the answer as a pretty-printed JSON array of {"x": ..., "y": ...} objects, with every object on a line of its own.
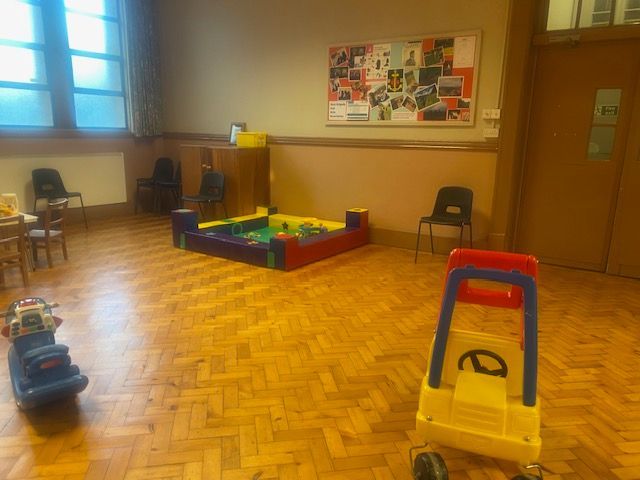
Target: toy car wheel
[
  {"x": 525, "y": 476},
  {"x": 430, "y": 466}
]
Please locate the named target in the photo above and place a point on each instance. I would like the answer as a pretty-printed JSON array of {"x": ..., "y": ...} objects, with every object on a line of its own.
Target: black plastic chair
[
  {"x": 211, "y": 191},
  {"x": 453, "y": 207},
  {"x": 48, "y": 184},
  {"x": 174, "y": 187},
  {"x": 162, "y": 172}
]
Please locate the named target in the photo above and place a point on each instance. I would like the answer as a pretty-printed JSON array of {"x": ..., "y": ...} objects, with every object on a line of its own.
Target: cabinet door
[
  {"x": 193, "y": 160},
  {"x": 246, "y": 174},
  {"x": 225, "y": 160},
  {"x": 253, "y": 180},
  {"x": 262, "y": 179}
]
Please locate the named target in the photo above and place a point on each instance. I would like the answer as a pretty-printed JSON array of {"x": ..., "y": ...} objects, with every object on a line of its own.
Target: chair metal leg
[
  {"x": 470, "y": 236},
  {"x": 415, "y": 260},
  {"x": 86, "y": 225},
  {"x": 461, "y": 231},
  {"x": 224, "y": 208},
  {"x": 431, "y": 238},
  {"x": 155, "y": 198},
  {"x": 176, "y": 199}
]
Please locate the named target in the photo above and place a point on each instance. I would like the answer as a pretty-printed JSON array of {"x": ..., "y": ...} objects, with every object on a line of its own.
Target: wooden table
[{"x": 28, "y": 218}]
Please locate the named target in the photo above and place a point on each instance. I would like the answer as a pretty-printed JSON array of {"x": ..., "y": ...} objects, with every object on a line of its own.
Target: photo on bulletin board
[{"x": 423, "y": 80}]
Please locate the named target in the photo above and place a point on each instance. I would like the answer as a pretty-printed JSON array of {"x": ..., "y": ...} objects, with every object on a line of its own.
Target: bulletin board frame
[{"x": 422, "y": 80}]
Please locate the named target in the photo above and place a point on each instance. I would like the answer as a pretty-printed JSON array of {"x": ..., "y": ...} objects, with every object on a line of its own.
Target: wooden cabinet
[{"x": 246, "y": 173}]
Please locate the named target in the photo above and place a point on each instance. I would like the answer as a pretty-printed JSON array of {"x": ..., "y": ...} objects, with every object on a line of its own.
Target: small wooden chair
[
  {"x": 12, "y": 247},
  {"x": 53, "y": 230}
]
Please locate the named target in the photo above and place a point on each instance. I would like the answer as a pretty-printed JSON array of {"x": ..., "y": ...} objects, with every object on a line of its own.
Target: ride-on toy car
[
  {"x": 41, "y": 370},
  {"x": 479, "y": 392}
]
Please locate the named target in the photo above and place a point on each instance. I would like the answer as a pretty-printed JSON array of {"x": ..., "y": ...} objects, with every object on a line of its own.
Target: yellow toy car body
[
  {"x": 477, "y": 412},
  {"x": 479, "y": 392}
]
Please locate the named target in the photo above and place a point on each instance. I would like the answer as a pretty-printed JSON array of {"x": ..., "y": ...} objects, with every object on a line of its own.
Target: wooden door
[
  {"x": 580, "y": 115},
  {"x": 624, "y": 258}
]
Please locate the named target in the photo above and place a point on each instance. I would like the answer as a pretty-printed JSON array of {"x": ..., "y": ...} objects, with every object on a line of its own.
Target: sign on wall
[{"x": 426, "y": 81}]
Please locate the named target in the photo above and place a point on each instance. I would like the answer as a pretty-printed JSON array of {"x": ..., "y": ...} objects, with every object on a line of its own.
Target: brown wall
[
  {"x": 397, "y": 185},
  {"x": 265, "y": 63},
  {"x": 139, "y": 155},
  {"x": 223, "y": 61}
]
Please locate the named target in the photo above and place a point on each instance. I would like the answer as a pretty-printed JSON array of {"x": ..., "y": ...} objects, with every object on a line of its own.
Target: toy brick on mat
[
  {"x": 183, "y": 220},
  {"x": 357, "y": 217},
  {"x": 280, "y": 246},
  {"x": 267, "y": 210},
  {"x": 229, "y": 247}
]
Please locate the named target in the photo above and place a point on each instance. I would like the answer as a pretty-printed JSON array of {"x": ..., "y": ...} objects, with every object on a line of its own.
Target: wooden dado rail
[{"x": 345, "y": 142}]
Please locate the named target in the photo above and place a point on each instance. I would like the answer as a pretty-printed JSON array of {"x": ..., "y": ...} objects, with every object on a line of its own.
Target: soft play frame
[{"x": 231, "y": 238}]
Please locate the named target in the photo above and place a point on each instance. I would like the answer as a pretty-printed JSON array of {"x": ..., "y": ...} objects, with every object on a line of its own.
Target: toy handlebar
[
  {"x": 528, "y": 285},
  {"x": 47, "y": 305}
]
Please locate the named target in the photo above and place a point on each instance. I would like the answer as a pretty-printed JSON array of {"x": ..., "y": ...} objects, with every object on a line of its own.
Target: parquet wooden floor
[{"x": 205, "y": 368}]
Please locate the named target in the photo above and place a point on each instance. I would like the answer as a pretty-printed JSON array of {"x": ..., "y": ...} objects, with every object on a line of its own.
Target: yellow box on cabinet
[{"x": 251, "y": 139}]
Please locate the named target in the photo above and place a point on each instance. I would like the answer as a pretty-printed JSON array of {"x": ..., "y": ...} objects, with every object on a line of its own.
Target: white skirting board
[{"x": 98, "y": 176}]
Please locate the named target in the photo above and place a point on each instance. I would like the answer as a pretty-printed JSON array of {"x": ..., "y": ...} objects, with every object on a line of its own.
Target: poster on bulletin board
[{"x": 428, "y": 80}]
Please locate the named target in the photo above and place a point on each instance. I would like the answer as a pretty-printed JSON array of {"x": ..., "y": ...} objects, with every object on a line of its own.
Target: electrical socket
[{"x": 491, "y": 132}]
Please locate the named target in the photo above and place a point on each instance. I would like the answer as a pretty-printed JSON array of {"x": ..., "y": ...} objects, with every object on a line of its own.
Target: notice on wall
[{"x": 428, "y": 80}]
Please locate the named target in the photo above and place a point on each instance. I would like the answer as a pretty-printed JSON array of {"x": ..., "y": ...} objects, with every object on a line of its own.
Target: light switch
[{"x": 491, "y": 132}]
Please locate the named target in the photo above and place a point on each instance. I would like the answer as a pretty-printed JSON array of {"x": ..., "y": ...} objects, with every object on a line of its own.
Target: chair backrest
[
  {"x": 47, "y": 182},
  {"x": 12, "y": 232},
  {"x": 212, "y": 186},
  {"x": 449, "y": 199},
  {"x": 55, "y": 215},
  {"x": 163, "y": 170}
]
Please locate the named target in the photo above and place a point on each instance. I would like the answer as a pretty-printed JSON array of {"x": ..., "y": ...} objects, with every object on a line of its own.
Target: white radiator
[{"x": 98, "y": 176}]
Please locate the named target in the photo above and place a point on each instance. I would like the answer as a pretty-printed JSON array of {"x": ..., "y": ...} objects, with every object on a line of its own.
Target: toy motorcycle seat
[
  {"x": 56, "y": 349},
  {"x": 45, "y": 362},
  {"x": 62, "y": 373}
]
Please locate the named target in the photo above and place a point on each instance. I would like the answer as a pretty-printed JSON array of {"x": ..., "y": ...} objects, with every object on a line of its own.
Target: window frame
[
  {"x": 616, "y": 17},
  {"x": 59, "y": 71}
]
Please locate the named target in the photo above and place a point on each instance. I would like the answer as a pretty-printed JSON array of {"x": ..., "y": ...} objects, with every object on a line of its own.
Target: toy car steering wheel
[{"x": 479, "y": 368}]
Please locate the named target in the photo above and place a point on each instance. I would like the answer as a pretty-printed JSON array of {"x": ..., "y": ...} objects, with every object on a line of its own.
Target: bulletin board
[{"x": 427, "y": 80}]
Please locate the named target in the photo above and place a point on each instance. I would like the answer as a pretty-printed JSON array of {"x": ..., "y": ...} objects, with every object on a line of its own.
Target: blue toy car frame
[
  {"x": 40, "y": 370},
  {"x": 527, "y": 283}
]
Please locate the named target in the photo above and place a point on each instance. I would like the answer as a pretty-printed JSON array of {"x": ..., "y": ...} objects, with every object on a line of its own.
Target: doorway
[{"x": 578, "y": 145}]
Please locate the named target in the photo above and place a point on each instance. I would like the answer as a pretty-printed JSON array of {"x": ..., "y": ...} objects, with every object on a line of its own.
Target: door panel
[
  {"x": 570, "y": 187},
  {"x": 625, "y": 245}
]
